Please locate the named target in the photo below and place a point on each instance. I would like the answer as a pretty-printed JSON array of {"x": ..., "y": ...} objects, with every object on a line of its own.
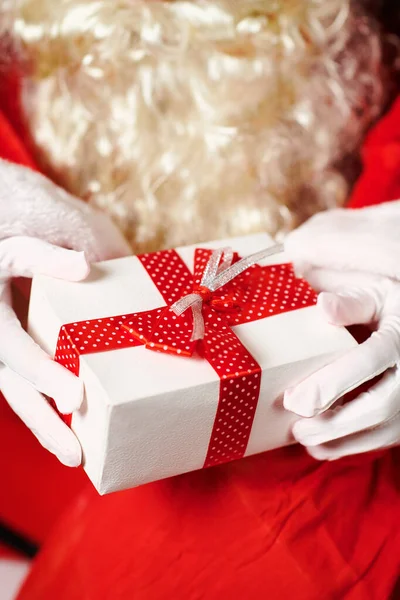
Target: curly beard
[{"x": 189, "y": 121}]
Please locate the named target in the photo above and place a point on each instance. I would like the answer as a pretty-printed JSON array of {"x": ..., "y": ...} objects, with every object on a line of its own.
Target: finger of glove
[
  {"x": 330, "y": 280},
  {"x": 351, "y": 307},
  {"x": 322, "y": 389},
  {"x": 105, "y": 241},
  {"x": 346, "y": 239},
  {"x": 386, "y": 436},
  {"x": 40, "y": 418},
  {"x": 25, "y": 256},
  {"x": 370, "y": 409},
  {"x": 23, "y": 356}
]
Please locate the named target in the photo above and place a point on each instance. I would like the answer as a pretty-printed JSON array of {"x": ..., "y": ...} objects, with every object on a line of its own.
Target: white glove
[
  {"x": 355, "y": 256},
  {"x": 34, "y": 215}
]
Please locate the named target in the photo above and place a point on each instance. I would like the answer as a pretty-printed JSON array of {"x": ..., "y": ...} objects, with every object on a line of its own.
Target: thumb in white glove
[
  {"x": 33, "y": 213},
  {"x": 338, "y": 252}
]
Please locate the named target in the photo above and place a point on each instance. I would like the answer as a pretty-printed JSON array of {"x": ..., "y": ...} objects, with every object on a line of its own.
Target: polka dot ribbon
[{"x": 256, "y": 293}]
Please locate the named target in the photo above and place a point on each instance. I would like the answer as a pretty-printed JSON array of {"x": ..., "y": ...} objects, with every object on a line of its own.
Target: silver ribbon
[{"x": 216, "y": 276}]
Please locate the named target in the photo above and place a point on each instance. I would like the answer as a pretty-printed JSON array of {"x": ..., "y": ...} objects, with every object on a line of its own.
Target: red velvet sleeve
[
  {"x": 12, "y": 138},
  {"x": 380, "y": 179},
  {"x": 11, "y": 146}
]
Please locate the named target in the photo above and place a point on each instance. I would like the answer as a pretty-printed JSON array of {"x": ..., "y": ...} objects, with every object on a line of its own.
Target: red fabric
[
  {"x": 7, "y": 553},
  {"x": 380, "y": 180},
  {"x": 35, "y": 487},
  {"x": 275, "y": 526},
  {"x": 11, "y": 147}
]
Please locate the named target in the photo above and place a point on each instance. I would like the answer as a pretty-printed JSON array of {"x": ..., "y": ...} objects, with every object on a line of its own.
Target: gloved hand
[
  {"x": 354, "y": 256},
  {"x": 38, "y": 222}
]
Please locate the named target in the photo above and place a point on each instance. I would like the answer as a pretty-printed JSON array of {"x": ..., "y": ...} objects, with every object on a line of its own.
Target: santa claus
[{"x": 186, "y": 121}]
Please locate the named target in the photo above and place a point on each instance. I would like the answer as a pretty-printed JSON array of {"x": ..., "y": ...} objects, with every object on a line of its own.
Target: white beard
[{"x": 189, "y": 121}]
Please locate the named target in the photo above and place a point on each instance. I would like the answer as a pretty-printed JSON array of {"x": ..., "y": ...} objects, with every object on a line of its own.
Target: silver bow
[{"x": 214, "y": 277}]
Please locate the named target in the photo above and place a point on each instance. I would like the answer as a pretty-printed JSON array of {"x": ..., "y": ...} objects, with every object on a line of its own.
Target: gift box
[{"x": 185, "y": 355}]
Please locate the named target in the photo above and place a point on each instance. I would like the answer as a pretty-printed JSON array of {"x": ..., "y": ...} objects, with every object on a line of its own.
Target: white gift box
[{"x": 149, "y": 415}]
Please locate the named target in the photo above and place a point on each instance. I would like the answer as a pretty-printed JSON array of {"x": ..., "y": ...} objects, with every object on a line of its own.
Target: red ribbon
[{"x": 257, "y": 293}]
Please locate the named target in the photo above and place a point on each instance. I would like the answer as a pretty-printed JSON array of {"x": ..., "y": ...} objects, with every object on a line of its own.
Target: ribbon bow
[
  {"x": 217, "y": 274},
  {"x": 170, "y": 330}
]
